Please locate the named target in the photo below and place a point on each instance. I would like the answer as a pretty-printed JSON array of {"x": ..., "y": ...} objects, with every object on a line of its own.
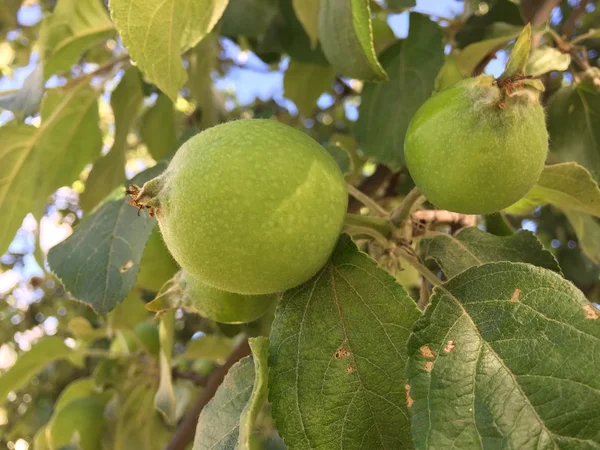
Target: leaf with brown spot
[
  {"x": 426, "y": 352},
  {"x": 326, "y": 395},
  {"x": 525, "y": 369},
  {"x": 515, "y": 295},
  {"x": 590, "y": 312},
  {"x": 450, "y": 346}
]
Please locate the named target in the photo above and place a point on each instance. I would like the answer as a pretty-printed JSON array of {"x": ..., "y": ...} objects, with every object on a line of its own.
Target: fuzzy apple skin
[
  {"x": 224, "y": 307},
  {"x": 472, "y": 150},
  {"x": 251, "y": 206}
]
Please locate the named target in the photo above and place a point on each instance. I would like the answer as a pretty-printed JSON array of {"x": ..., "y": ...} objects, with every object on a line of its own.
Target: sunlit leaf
[
  {"x": 307, "y": 12},
  {"x": 73, "y": 27},
  {"x": 156, "y": 32},
  {"x": 34, "y": 162}
]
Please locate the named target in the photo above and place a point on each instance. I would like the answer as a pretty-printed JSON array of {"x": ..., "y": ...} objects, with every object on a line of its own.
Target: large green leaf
[
  {"x": 347, "y": 39},
  {"x": 473, "y": 247},
  {"x": 304, "y": 83},
  {"x": 574, "y": 125},
  {"x": 337, "y": 357},
  {"x": 34, "y": 162},
  {"x": 98, "y": 263},
  {"x": 387, "y": 108},
  {"x": 506, "y": 356},
  {"x": 30, "y": 363},
  {"x": 164, "y": 399},
  {"x": 158, "y": 128},
  {"x": 156, "y": 32},
  {"x": 73, "y": 27},
  {"x": 109, "y": 171},
  {"x": 227, "y": 421}
]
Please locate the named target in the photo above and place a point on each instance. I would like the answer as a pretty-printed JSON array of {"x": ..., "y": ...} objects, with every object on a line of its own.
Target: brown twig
[
  {"x": 537, "y": 12},
  {"x": 185, "y": 431},
  {"x": 571, "y": 22},
  {"x": 370, "y": 186},
  {"x": 100, "y": 69}
]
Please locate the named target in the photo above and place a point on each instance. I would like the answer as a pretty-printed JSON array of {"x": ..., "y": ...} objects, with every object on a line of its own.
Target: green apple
[
  {"x": 476, "y": 147},
  {"x": 250, "y": 206}
]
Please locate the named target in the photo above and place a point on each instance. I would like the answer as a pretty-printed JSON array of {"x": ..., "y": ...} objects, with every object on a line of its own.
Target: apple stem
[
  {"x": 424, "y": 271},
  {"x": 373, "y": 206},
  {"x": 402, "y": 212},
  {"x": 380, "y": 225}
]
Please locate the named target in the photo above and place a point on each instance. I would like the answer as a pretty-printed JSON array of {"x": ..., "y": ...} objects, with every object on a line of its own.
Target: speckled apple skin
[
  {"x": 224, "y": 307},
  {"x": 252, "y": 206},
  {"x": 469, "y": 154}
]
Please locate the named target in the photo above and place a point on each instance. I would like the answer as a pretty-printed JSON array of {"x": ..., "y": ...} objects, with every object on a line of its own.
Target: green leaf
[
  {"x": 156, "y": 32},
  {"x": 202, "y": 60},
  {"x": 587, "y": 230},
  {"x": 573, "y": 117},
  {"x": 449, "y": 74},
  {"x": 227, "y": 421},
  {"x": 470, "y": 57},
  {"x": 307, "y": 12},
  {"x": 73, "y": 27},
  {"x": 337, "y": 356},
  {"x": 546, "y": 59},
  {"x": 138, "y": 425},
  {"x": 347, "y": 39},
  {"x": 291, "y": 36},
  {"x": 158, "y": 128},
  {"x": 34, "y": 162},
  {"x": 164, "y": 399},
  {"x": 341, "y": 156},
  {"x": 128, "y": 313},
  {"x": 387, "y": 108},
  {"x": 473, "y": 247},
  {"x": 567, "y": 185},
  {"x": 25, "y": 101},
  {"x": 248, "y": 18},
  {"x": 304, "y": 83},
  {"x": 109, "y": 171},
  {"x": 504, "y": 358},
  {"x": 98, "y": 263},
  {"x": 515, "y": 66},
  {"x": 211, "y": 347},
  {"x": 30, "y": 363},
  {"x": 81, "y": 387}
]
